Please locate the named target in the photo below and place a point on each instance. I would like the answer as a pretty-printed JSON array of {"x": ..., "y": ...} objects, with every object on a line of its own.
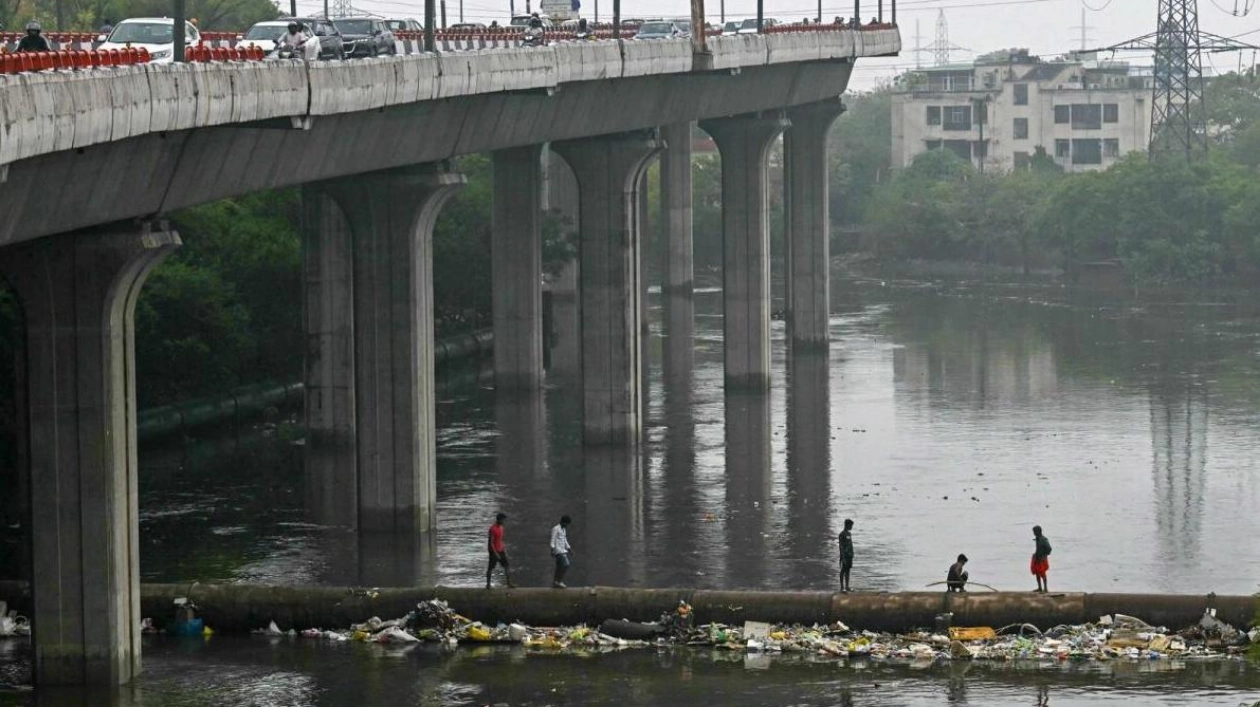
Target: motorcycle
[
  {"x": 288, "y": 51},
  {"x": 533, "y": 37}
]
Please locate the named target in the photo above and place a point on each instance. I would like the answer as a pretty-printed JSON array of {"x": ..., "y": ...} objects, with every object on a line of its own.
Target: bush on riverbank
[{"x": 1166, "y": 222}]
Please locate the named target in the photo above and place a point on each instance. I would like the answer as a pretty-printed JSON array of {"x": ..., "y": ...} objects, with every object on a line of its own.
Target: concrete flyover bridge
[{"x": 91, "y": 160}]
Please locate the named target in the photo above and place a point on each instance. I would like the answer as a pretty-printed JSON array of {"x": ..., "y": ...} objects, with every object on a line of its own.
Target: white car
[
  {"x": 264, "y": 35},
  {"x": 156, "y": 34}
]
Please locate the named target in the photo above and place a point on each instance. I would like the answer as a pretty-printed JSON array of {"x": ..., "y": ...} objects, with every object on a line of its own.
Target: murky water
[{"x": 945, "y": 419}]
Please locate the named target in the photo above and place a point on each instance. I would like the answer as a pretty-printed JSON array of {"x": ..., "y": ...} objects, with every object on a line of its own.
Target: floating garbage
[{"x": 1112, "y": 637}]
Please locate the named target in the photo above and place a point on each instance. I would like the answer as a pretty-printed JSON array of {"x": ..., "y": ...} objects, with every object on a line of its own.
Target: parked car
[
  {"x": 264, "y": 35},
  {"x": 365, "y": 36},
  {"x": 156, "y": 34},
  {"x": 749, "y": 26},
  {"x": 523, "y": 21},
  {"x": 662, "y": 29},
  {"x": 404, "y": 25}
]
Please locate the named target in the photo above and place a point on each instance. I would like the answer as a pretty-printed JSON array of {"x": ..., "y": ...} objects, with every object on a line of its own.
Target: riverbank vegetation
[{"x": 1164, "y": 222}]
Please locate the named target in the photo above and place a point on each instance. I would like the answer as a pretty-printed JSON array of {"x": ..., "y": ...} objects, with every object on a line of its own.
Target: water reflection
[
  {"x": 612, "y": 518},
  {"x": 808, "y": 533},
  {"x": 748, "y": 489},
  {"x": 1179, "y": 430}
]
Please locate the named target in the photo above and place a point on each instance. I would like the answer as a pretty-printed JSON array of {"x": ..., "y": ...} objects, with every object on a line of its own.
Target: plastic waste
[
  {"x": 478, "y": 632},
  {"x": 393, "y": 634},
  {"x": 273, "y": 630}
]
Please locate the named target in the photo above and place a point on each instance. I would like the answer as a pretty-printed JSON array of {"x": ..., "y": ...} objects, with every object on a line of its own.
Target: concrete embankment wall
[
  {"x": 238, "y": 608},
  {"x": 251, "y": 400}
]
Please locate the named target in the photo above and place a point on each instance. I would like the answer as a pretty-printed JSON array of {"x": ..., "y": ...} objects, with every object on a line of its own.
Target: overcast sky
[{"x": 1046, "y": 27}]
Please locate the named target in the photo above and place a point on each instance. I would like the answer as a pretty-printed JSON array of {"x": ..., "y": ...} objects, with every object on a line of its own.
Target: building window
[
  {"x": 1023, "y": 160},
  {"x": 1111, "y": 113},
  {"x": 1111, "y": 147},
  {"x": 1087, "y": 151},
  {"x": 1062, "y": 115},
  {"x": 962, "y": 148},
  {"x": 933, "y": 115},
  {"x": 956, "y": 118},
  {"x": 1086, "y": 116},
  {"x": 1021, "y": 94},
  {"x": 933, "y": 144},
  {"x": 980, "y": 148},
  {"x": 1062, "y": 149},
  {"x": 1021, "y": 128}
]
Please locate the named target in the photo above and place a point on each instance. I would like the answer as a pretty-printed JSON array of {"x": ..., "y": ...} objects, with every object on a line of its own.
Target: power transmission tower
[
  {"x": 941, "y": 46},
  {"x": 340, "y": 8},
  {"x": 1178, "y": 116},
  {"x": 1084, "y": 28},
  {"x": 1178, "y": 121}
]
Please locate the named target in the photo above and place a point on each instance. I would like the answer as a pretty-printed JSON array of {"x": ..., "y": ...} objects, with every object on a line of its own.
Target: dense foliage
[{"x": 1165, "y": 221}]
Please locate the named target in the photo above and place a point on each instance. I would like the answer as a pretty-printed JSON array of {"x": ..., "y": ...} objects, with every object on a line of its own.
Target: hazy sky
[{"x": 1046, "y": 27}]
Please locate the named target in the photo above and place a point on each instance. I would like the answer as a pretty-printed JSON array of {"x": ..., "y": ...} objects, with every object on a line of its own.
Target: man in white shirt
[
  {"x": 301, "y": 41},
  {"x": 560, "y": 550}
]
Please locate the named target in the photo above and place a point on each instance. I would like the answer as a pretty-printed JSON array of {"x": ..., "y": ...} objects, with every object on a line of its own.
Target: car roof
[{"x": 150, "y": 20}]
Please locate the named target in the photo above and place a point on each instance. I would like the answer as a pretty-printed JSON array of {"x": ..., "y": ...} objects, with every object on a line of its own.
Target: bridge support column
[
  {"x": 808, "y": 211},
  {"x": 744, "y": 143},
  {"x": 608, "y": 170},
  {"x": 391, "y": 216},
  {"x": 332, "y": 490},
  {"x": 78, "y": 294},
  {"x": 516, "y": 264},
  {"x": 676, "y": 213}
]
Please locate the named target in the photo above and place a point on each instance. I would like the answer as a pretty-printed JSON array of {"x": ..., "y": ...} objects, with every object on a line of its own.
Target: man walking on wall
[
  {"x": 561, "y": 551},
  {"x": 498, "y": 551}
]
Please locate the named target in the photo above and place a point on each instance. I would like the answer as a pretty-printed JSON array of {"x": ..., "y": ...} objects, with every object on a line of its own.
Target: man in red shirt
[{"x": 498, "y": 551}]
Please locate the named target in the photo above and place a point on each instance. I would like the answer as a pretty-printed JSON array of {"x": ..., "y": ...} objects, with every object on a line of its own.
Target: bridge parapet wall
[{"x": 46, "y": 112}]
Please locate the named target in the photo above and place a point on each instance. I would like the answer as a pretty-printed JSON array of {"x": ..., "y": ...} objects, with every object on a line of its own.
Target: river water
[{"x": 944, "y": 419}]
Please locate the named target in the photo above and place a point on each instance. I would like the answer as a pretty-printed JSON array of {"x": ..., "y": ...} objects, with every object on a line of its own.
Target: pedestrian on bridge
[
  {"x": 561, "y": 551},
  {"x": 498, "y": 551}
]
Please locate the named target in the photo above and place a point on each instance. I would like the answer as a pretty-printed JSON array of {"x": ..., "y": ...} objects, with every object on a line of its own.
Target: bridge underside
[{"x": 155, "y": 174}]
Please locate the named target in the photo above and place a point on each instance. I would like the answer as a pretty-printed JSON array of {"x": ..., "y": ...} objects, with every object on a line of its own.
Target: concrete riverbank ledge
[{"x": 234, "y": 608}]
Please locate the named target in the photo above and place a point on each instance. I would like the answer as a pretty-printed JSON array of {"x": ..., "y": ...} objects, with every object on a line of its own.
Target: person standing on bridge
[
  {"x": 846, "y": 555},
  {"x": 1040, "y": 564},
  {"x": 561, "y": 551},
  {"x": 498, "y": 551}
]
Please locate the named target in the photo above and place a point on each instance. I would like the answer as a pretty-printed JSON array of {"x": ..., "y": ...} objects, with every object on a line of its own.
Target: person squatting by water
[
  {"x": 846, "y": 554},
  {"x": 1040, "y": 563},
  {"x": 956, "y": 578},
  {"x": 560, "y": 550},
  {"x": 498, "y": 551}
]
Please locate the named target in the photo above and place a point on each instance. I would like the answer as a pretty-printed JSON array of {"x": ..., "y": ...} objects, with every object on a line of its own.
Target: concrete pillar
[
  {"x": 78, "y": 294},
  {"x": 608, "y": 170},
  {"x": 805, "y": 187},
  {"x": 391, "y": 216},
  {"x": 332, "y": 494},
  {"x": 516, "y": 265},
  {"x": 677, "y": 275},
  {"x": 744, "y": 143},
  {"x": 562, "y": 197}
]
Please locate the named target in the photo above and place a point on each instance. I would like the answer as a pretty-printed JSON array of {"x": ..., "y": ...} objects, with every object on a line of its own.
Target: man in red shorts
[
  {"x": 498, "y": 551},
  {"x": 1041, "y": 559}
]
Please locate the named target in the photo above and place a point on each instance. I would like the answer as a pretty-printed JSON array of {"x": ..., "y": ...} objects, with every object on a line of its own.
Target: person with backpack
[{"x": 1040, "y": 564}]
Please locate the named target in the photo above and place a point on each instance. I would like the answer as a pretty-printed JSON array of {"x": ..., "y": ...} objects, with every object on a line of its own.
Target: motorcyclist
[
  {"x": 534, "y": 30},
  {"x": 300, "y": 41},
  {"x": 582, "y": 31},
  {"x": 34, "y": 41}
]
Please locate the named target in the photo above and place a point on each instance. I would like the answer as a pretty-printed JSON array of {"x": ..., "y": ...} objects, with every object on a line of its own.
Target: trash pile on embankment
[{"x": 1111, "y": 637}]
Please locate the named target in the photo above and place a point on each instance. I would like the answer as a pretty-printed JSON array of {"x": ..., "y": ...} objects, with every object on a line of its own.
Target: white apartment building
[{"x": 999, "y": 111}]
